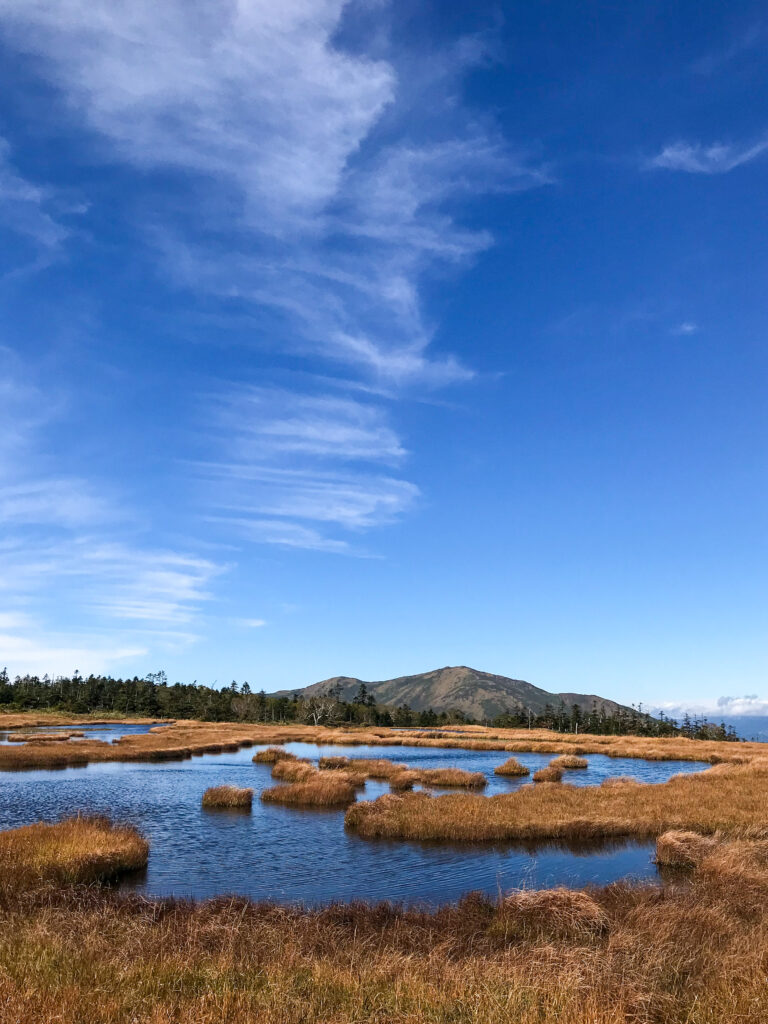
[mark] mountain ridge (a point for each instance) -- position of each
(480, 695)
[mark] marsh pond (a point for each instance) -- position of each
(292, 855)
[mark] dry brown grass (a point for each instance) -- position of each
(272, 755)
(322, 789)
(511, 767)
(569, 761)
(372, 768)
(227, 797)
(548, 774)
(451, 777)
(43, 737)
(187, 738)
(553, 913)
(620, 780)
(402, 781)
(286, 770)
(693, 954)
(679, 849)
(731, 801)
(74, 851)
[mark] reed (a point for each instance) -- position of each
(227, 797)
(548, 774)
(731, 801)
(73, 851)
(44, 737)
(323, 789)
(569, 761)
(511, 767)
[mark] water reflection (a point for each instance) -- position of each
(291, 855)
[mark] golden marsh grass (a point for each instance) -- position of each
(731, 800)
(692, 954)
(512, 767)
(227, 796)
(74, 851)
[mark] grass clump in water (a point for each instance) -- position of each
(548, 774)
(227, 796)
(404, 781)
(272, 755)
(74, 851)
(511, 767)
(452, 777)
(286, 770)
(323, 789)
(569, 761)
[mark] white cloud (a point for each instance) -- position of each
(686, 327)
(290, 466)
(272, 423)
(697, 158)
(45, 653)
(252, 623)
(22, 205)
(311, 194)
(728, 707)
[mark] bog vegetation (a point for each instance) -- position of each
(692, 953)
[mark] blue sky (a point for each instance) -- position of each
(367, 338)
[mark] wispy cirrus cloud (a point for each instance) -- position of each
(23, 205)
(288, 466)
(314, 194)
(699, 158)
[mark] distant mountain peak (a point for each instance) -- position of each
(478, 694)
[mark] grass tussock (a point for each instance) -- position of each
(549, 774)
(620, 780)
(680, 849)
(732, 803)
(286, 770)
(693, 954)
(323, 789)
(512, 767)
(452, 777)
(569, 761)
(372, 768)
(403, 781)
(553, 913)
(75, 851)
(272, 755)
(227, 796)
(44, 737)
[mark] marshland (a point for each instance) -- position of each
(381, 876)
(162, 772)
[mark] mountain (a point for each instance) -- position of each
(480, 695)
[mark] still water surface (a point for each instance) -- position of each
(305, 856)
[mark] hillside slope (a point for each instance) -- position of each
(478, 694)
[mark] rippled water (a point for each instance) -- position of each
(288, 855)
(92, 730)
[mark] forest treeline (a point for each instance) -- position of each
(154, 697)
